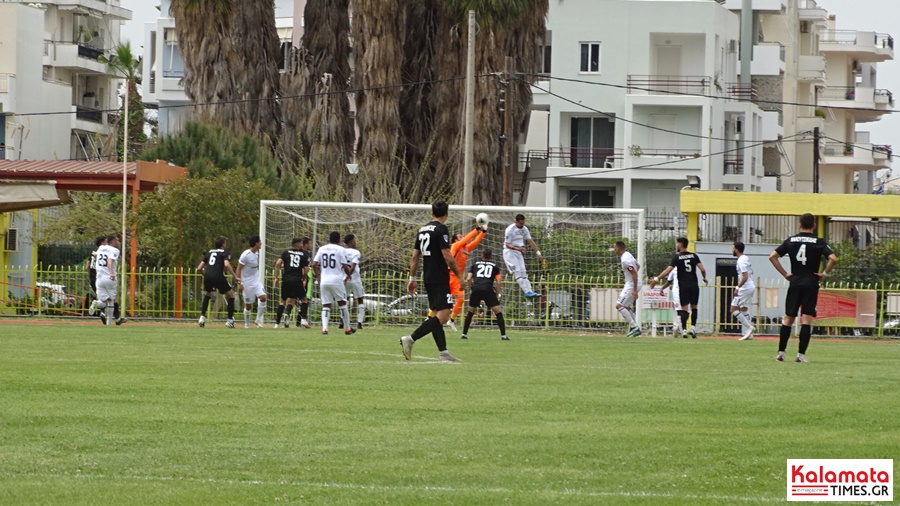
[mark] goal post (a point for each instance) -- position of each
(576, 242)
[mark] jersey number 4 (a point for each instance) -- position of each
(801, 254)
(424, 244)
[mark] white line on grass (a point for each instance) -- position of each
(413, 488)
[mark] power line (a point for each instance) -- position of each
(855, 146)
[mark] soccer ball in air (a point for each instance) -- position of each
(482, 219)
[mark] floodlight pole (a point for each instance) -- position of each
(469, 167)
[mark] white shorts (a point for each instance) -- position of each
(625, 297)
(252, 292)
(744, 296)
(676, 298)
(332, 293)
(515, 262)
(107, 289)
(354, 287)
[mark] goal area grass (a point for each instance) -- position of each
(176, 414)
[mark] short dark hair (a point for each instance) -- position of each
(305, 240)
(520, 217)
(682, 241)
(253, 240)
(296, 240)
(808, 221)
(738, 245)
(439, 209)
(220, 241)
(112, 238)
(100, 240)
(487, 254)
(348, 238)
(620, 244)
(334, 237)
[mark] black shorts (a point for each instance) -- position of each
(803, 296)
(293, 289)
(689, 295)
(92, 275)
(216, 283)
(488, 296)
(439, 297)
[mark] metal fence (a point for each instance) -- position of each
(566, 302)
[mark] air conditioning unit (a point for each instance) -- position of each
(804, 27)
(732, 46)
(12, 240)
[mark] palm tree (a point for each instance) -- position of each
(124, 64)
(230, 51)
(318, 125)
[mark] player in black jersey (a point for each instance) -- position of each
(433, 247)
(213, 266)
(686, 265)
(806, 252)
(484, 278)
(295, 262)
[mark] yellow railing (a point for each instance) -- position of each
(568, 301)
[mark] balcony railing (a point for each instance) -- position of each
(734, 166)
(885, 97)
(852, 37)
(88, 114)
(882, 151)
(745, 92)
(837, 93)
(173, 74)
(89, 52)
(584, 157)
(668, 85)
(639, 152)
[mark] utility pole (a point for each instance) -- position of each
(816, 160)
(469, 168)
(506, 138)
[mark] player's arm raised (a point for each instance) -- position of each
(412, 286)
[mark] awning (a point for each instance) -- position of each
(22, 195)
(285, 33)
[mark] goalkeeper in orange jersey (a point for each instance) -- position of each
(460, 247)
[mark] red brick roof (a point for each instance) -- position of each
(92, 176)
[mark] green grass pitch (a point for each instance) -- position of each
(175, 414)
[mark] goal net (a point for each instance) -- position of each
(579, 281)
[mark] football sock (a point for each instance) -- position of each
(345, 316)
(440, 338)
(467, 322)
(279, 312)
(361, 313)
(326, 313)
(116, 313)
(684, 318)
(457, 307)
(246, 316)
(693, 317)
(229, 302)
(747, 316)
(110, 312)
(784, 336)
(524, 284)
(742, 317)
(805, 334)
(430, 325)
(501, 322)
(261, 310)
(287, 312)
(627, 315)
(205, 306)
(304, 311)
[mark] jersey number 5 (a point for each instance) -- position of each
(801, 254)
(424, 244)
(687, 266)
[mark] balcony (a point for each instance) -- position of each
(768, 59)
(733, 166)
(105, 8)
(758, 5)
(657, 84)
(607, 158)
(868, 103)
(78, 57)
(809, 10)
(863, 46)
(92, 120)
(857, 156)
(742, 92)
(812, 69)
(7, 94)
(772, 122)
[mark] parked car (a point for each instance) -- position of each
(375, 303)
(407, 305)
(892, 327)
(55, 295)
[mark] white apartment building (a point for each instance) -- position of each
(163, 71)
(49, 64)
(650, 97)
(834, 72)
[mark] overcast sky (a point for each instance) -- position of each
(865, 15)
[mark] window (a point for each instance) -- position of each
(544, 65)
(592, 142)
(590, 57)
(603, 197)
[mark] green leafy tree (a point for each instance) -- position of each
(123, 63)
(89, 216)
(177, 225)
(878, 263)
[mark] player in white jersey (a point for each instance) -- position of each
(355, 285)
(629, 295)
(92, 273)
(743, 292)
(107, 286)
(332, 272)
(672, 281)
(251, 286)
(513, 253)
